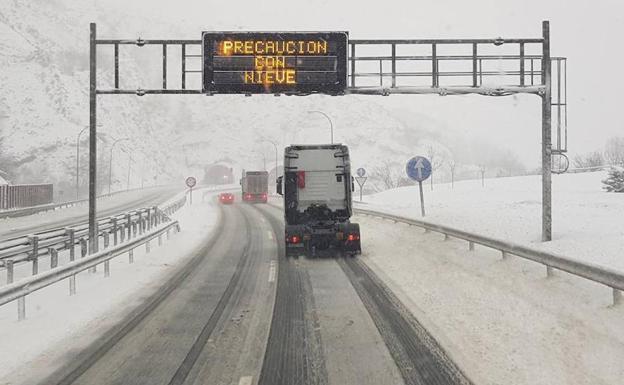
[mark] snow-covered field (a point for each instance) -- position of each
(503, 322)
(588, 223)
(53, 316)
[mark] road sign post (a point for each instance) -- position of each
(191, 182)
(361, 179)
(419, 169)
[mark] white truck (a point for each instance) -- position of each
(317, 188)
(255, 186)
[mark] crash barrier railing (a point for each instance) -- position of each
(24, 195)
(603, 275)
(20, 212)
(172, 207)
(31, 248)
(19, 290)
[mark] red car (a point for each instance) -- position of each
(226, 198)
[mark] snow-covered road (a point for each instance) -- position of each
(503, 322)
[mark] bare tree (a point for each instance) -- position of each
(592, 159)
(388, 175)
(482, 171)
(436, 158)
(614, 151)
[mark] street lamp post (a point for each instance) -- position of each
(331, 124)
(130, 160)
(275, 146)
(78, 159)
(110, 164)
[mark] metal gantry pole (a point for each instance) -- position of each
(546, 136)
(93, 240)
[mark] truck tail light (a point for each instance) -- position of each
(353, 237)
(301, 179)
(294, 239)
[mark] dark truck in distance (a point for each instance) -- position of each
(255, 186)
(317, 186)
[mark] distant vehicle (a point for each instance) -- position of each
(317, 186)
(226, 198)
(255, 186)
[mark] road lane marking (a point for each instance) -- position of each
(245, 380)
(270, 233)
(272, 271)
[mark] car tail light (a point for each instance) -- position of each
(353, 237)
(264, 195)
(301, 179)
(294, 239)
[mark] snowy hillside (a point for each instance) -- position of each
(44, 104)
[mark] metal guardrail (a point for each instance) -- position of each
(20, 212)
(19, 290)
(50, 242)
(595, 273)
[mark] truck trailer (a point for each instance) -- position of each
(317, 189)
(255, 186)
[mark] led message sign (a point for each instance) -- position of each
(274, 62)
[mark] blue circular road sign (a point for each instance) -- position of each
(361, 172)
(418, 168)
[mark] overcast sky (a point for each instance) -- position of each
(588, 33)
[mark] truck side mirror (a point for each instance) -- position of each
(278, 188)
(352, 184)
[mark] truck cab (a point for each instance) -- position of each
(317, 189)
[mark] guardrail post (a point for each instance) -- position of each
(159, 239)
(549, 271)
(83, 247)
(34, 241)
(470, 245)
(149, 219)
(129, 225)
(131, 256)
(168, 228)
(617, 297)
(122, 233)
(115, 230)
(147, 246)
(72, 284)
(21, 308)
(504, 254)
(106, 239)
(135, 229)
(107, 268)
(72, 242)
(140, 223)
(53, 257)
(446, 237)
(9, 269)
